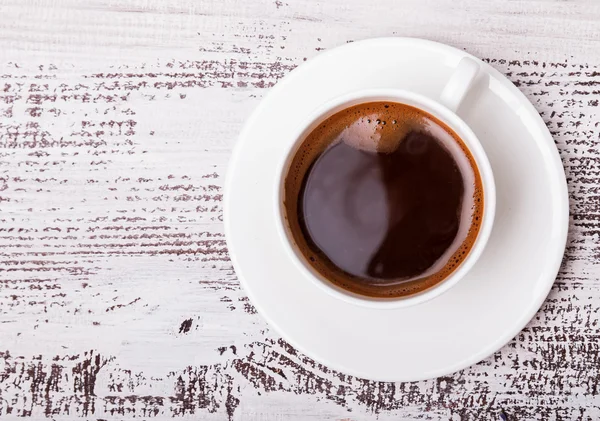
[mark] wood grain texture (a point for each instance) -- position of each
(117, 296)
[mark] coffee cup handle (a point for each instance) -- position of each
(459, 84)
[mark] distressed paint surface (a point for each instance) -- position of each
(117, 296)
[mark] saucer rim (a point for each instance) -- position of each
(561, 219)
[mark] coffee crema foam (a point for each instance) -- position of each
(380, 129)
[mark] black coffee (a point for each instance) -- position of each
(383, 199)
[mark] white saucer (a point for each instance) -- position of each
(482, 312)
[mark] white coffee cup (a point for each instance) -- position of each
(443, 109)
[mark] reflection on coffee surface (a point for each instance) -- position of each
(383, 200)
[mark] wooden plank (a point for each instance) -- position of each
(117, 296)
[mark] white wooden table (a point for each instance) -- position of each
(117, 296)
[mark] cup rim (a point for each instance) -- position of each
(439, 111)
